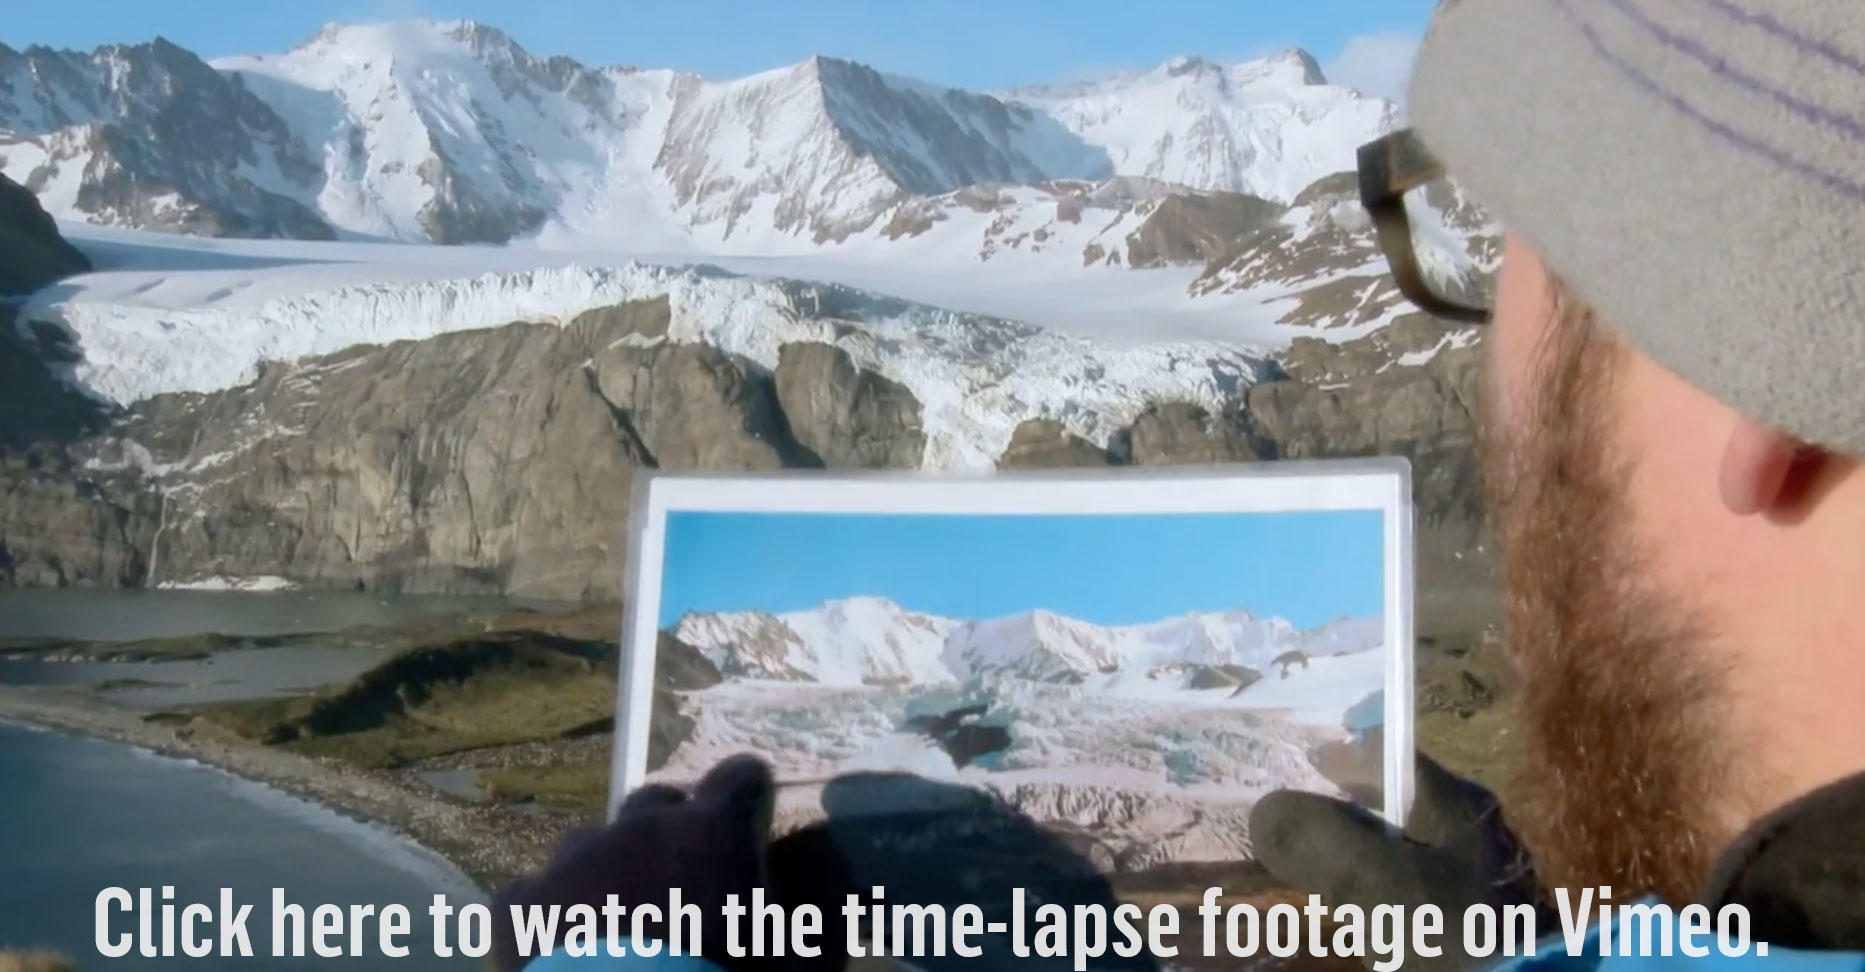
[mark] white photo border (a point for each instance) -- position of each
(1283, 486)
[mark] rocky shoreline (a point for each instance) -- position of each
(491, 844)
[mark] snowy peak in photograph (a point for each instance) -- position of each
(846, 642)
(451, 132)
(871, 640)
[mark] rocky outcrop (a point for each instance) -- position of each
(848, 417)
(32, 254)
(1190, 227)
(678, 668)
(495, 460)
(1408, 389)
(62, 525)
(1177, 434)
(1048, 444)
(696, 407)
(39, 409)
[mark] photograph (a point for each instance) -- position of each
(1132, 681)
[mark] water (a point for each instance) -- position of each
(247, 673)
(116, 615)
(77, 816)
(242, 673)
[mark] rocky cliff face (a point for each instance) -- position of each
(32, 254)
(498, 460)
(850, 418)
(59, 523)
(62, 525)
(502, 460)
(482, 461)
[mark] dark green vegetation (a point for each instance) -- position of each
(499, 689)
(454, 685)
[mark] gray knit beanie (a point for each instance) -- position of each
(1694, 169)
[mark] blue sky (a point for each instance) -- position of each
(1307, 567)
(968, 43)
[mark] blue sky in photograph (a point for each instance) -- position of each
(980, 44)
(1107, 569)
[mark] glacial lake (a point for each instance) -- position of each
(241, 673)
(79, 815)
(122, 615)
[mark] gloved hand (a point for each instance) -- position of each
(1455, 852)
(709, 844)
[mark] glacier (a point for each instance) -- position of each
(1108, 731)
(172, 314)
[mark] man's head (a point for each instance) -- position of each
(1680, 574)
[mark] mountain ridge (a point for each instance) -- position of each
(451, 132)
(874, 640)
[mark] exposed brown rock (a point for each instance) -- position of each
(1180, 433)
(1047, 444)
(696, 407)
(62, 525)
(848, 417)
(1196, 227)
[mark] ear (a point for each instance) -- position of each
(1759, 466)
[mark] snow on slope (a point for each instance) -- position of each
(452, 132)
(1320, 691)
(873, 640)
(149, 135)
(1268, 128)
(847, 642)
(822, 149)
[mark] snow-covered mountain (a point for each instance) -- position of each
(451, 132)
(149, 135)
(871, 640)
(824, 148)
(1268, 128)
(846, 642)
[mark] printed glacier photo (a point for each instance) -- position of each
(1134, 683)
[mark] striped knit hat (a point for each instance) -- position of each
(1694, 169)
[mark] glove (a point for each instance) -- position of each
(1455, 852)
(709, 845)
